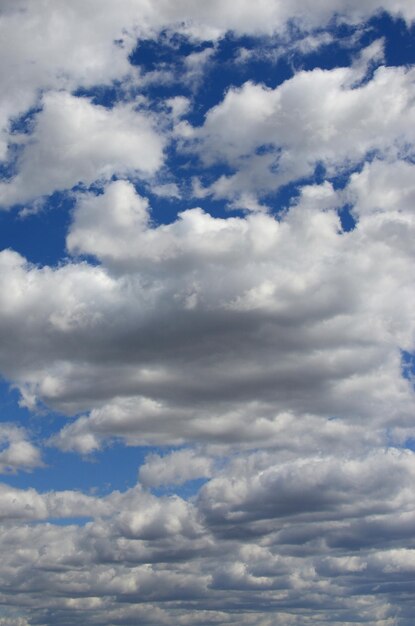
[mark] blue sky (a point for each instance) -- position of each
(206, 313)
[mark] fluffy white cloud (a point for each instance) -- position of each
(30, 504)
(174, 468)
(16, 451)
(76, 142)
(383, 187)
(107, 225)
(88, 43)
(274, 136)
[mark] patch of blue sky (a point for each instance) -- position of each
(168, 49)
(24, 123)
(113, 468)
(347, 220)
(165, 210)
(399, 38)
(38, 233)
(103, 95)
(9, 167)
(187, 490)
(64, 521)
(281, 199)
(10, 411)
(234, 61)
(20, 125)
(408, 365)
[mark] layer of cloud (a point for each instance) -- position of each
(262, 534)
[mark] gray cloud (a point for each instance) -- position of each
(219, 329)
(141, 548)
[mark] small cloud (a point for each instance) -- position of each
(169, 190)
(17, 452)
(174, 468)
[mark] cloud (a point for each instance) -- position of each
(78, 55)
(262, 533)
(383, 187)
(174, 468)
(76, 142)
(17, 452)
(309, 489)
(31, 505)
(220, 329)
(271, 137)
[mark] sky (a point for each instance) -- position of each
(207, 353)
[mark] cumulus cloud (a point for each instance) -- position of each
(76, 142)
(383, 187)
(30, 504)
(174, 468)
(89, 43)
(213, 328)
(306, 510)
(17, 452)
(308, 488)
(271, 137)
(302, 318)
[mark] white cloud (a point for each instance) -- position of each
(383, 187)
(174, 468)
(65, 50)
(17, 452)
(108, 224)
(79, 55)
(29, 504)
(317, 116)
(76, 142)
(195, 66)
(167, 190)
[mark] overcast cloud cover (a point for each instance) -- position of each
(207, 225)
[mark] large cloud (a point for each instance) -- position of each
(213, 328)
